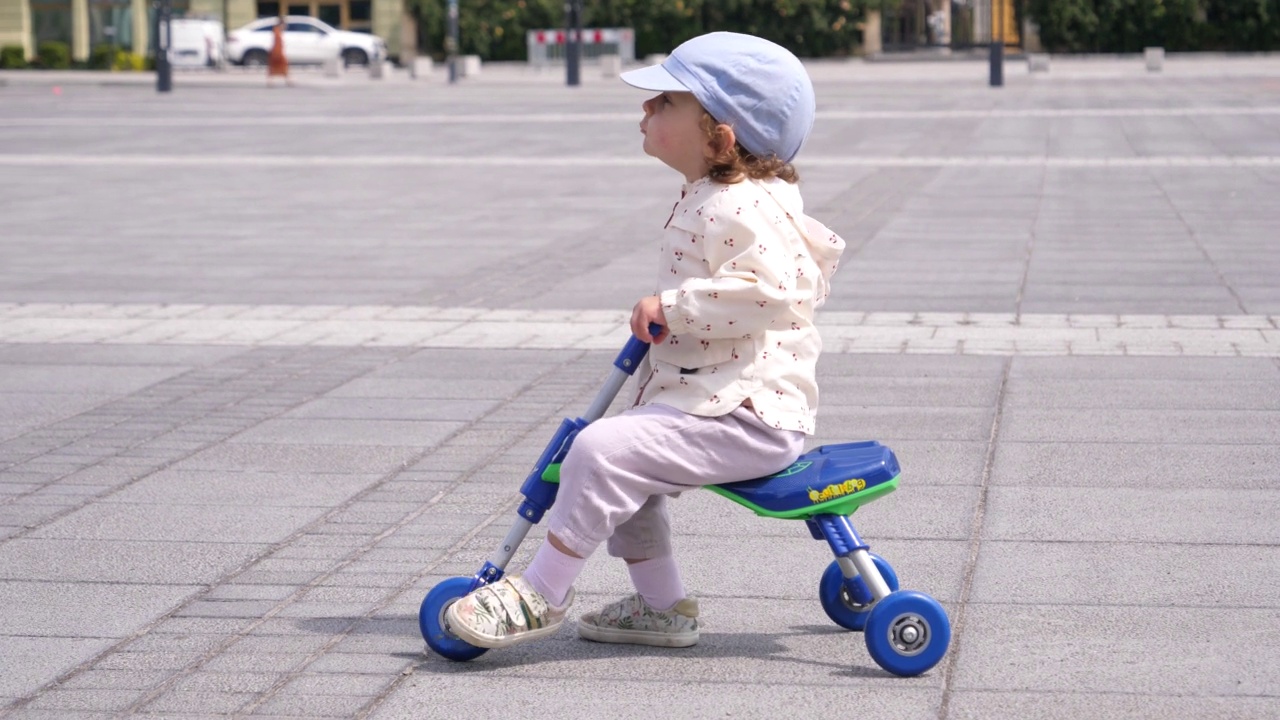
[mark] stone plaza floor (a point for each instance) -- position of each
(273, 362)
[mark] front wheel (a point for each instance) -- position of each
(354, 56)
(254, 58)
(848, 609)
(431, 621)
(907, 633)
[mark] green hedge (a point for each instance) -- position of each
(1176, 25)
(53, 55)
(12, 57)
(103, 57)
(111, 57)
(495, 29)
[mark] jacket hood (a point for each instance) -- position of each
(825, 246)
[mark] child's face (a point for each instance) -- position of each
(673, 133)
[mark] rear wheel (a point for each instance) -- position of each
(254, 58)
(907, 633)
(846, 609)
(354, 56)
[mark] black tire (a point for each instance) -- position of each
(354, 56)
(254, 58)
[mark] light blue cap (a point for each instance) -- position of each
(755, 86)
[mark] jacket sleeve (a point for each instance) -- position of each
(752, 279)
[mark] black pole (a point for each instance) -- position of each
(997, 46)
(573, 43)
(164, 34)
(451, 42)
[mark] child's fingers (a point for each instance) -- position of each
(648, 323)
(640, 326)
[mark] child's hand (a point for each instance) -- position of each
(648, 310)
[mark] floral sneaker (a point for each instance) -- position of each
(507, 612)
(632, 620)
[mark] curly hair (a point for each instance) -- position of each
(734, 164)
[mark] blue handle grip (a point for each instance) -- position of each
(634, 351)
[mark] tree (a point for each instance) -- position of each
(1179, 25)
(495, 29)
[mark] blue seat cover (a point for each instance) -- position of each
(823, 469)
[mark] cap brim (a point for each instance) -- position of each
(654, 77)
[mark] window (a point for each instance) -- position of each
(268, 9)
(361, 10)
(51, 21)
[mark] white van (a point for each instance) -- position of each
(197, 43)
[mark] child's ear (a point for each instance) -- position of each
(723, 140)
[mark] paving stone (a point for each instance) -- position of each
(115, 679)
(286, 703)
(971, 705)
(120, 561)
(1072, 643)
(182, 703)
(222, 682)
(97, 700)
(1057, 306)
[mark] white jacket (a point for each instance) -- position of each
(741, 272)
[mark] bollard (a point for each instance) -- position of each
(375, 68)
(655, 59)
(1155, 58)
(611, 65)
(997, 64)
(470, 66)
(421, 67)
(334, 67)
(1037, 62)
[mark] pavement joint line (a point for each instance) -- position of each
(347, 560)
(975, 546)
(164, 459)
(606, 161)
(351, 558)
(584, 117)
(91, 662)
(1198, 242)
(389, 326)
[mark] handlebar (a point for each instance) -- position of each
(634, 351)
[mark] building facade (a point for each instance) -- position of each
(85, 24)
(920, 24)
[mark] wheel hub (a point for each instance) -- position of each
(444, 619)
(909, 634)
(847, 599)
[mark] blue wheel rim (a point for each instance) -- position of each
(907, 633)
(846, 611)
(431, 621)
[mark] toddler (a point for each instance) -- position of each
(728, 390)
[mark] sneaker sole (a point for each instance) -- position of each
(467, 635)
(596, 633)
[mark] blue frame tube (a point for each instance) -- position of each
(870, 573)
(540, 494)
(605, 397)
(510, 544)
(851, 553)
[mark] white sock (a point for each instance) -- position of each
(552, 573)
(658, 581)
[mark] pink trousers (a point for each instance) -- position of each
(616, 478)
